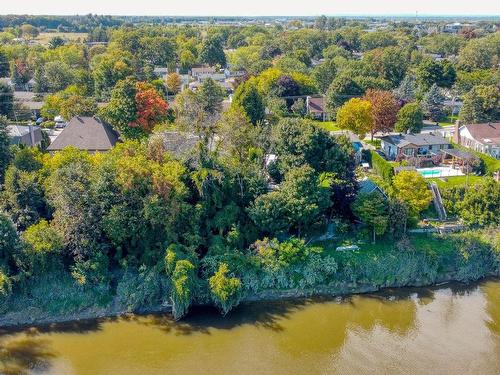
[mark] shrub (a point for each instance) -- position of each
(5, 285)
(142, 288)
(225, 291)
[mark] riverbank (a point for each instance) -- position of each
(36, 317)
(419, 261)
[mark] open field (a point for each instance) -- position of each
(44, 38)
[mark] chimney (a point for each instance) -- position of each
(32, 134)
(456, 132)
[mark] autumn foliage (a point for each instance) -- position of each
(384, 110)
(151, 108)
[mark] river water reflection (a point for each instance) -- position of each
(447, 330)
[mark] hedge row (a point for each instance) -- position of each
(489, 164)
(382, 167)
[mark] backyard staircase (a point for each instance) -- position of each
(438, 202)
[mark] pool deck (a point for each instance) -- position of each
(439, 172)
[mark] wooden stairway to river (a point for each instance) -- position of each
(438, 202)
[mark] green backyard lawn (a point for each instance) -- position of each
(455, 181)
(330, 126)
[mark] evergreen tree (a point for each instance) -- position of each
(4, 64)
(432, 103)
(6, 99)
(406, 90)
(211, 94)
(5, 155)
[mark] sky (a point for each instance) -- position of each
(252, 7)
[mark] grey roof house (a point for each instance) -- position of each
(27, 135)
(413, 145)
(86, 133)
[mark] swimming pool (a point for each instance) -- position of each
(439, 172)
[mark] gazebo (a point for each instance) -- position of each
(459, 158)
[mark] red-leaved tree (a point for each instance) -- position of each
(385, 108)
(151, 107)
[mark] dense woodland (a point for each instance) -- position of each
(143, 226)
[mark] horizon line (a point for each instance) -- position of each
(416, 14)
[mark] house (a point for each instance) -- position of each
(203, 70)
(25, 135)
(28, 104)
(85, 133)
(413, 145)
(316, 107)
(160, 72)
(483, 137)
(226, 86)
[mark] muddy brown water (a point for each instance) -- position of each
(452, 329)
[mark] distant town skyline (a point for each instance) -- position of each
(252, 8)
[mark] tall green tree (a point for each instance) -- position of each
(324, 74)
(406, 90)
(58, 75)
(409, 118)
(340, 91)
(481, 104)
(249, 99)
(372, 209)
(432, 72)
(4, 64)
(9, 242)
(433, 103)
(6, 100)
(212, 51)
(5, 154)
(299, 203)
(410, 188)
(211, 95)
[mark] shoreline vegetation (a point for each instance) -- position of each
(466, 257)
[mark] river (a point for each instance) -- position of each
(452, 329)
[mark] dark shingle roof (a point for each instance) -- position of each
(20, 134)
(425, 139)
(86, 133)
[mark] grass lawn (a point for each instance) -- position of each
(330, 126)
(455, 181)
(448, 120)
(44, 38)
(429, 243)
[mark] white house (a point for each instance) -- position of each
(483, 138)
